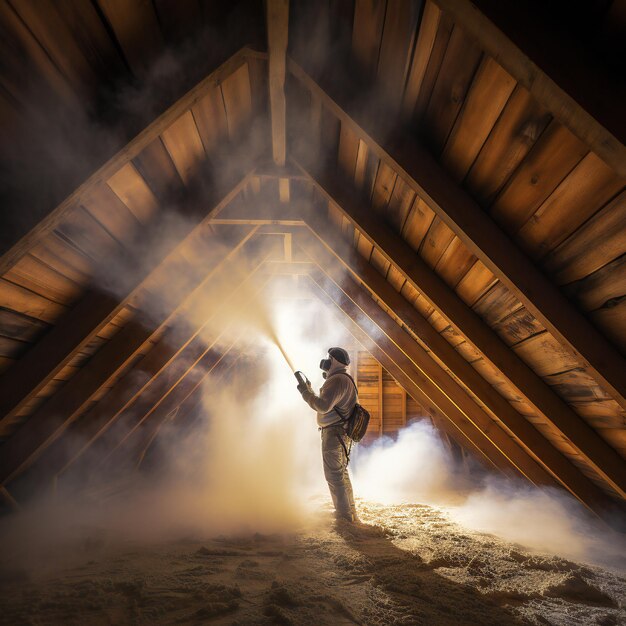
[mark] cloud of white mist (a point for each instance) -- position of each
(257, 461)
(418, 468)
(414, 468)
(252, 464)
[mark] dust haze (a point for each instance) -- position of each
(249, 461)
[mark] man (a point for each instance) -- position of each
(334, 405)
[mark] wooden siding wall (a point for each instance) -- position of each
(390, 407)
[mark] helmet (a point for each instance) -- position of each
(340, 355)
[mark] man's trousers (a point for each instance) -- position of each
(334, 445)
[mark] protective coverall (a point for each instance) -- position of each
(337, 392)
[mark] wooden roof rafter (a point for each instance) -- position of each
(600, 126)
(230, 171)
(128, 152)
(215, 367)
(381, 331)
(53, 418)
(333, 304)
(277, 17)
(535, 443)
(110, 417)
(531, 286)
(599, 453)
(165, 398)
(544, 441)
(484, 238)
(94, 311)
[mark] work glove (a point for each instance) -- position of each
(305, 388)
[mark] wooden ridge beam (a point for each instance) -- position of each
(126, 154)
(603, 458)
(97, 308)
(484, 238)
(376, 340)
(591, 104)
(328, 248)
(92, 425)
(277, 17)
(56, 414)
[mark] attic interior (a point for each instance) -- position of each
(200, 198)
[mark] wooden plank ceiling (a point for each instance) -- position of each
(454, 194)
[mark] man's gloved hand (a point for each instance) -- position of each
(305, 388)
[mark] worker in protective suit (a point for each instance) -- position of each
(335, 403)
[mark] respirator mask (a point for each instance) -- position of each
(325, 366)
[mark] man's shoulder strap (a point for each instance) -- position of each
(351, 379)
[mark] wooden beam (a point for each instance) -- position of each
(163, 395)
(97, 308)
(386, 351)
(425, 41)
(442, 390)
(124, 156)
(255, 222)
(216, 367)
(187, 409)
(80, 436)
(189, 405)
(277, 34)
(271, 170)
(329, 249)
(600, 455)
(589, 101)
(403, 406)
(381, 404)
(146, 429)
(55, 415)
(263, 207)
(442, 422)
(484, 238)
(298, 268)
(436, 383)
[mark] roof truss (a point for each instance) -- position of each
(417, 357)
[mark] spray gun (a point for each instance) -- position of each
(302, 379)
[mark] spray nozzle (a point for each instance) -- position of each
(301, 378)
